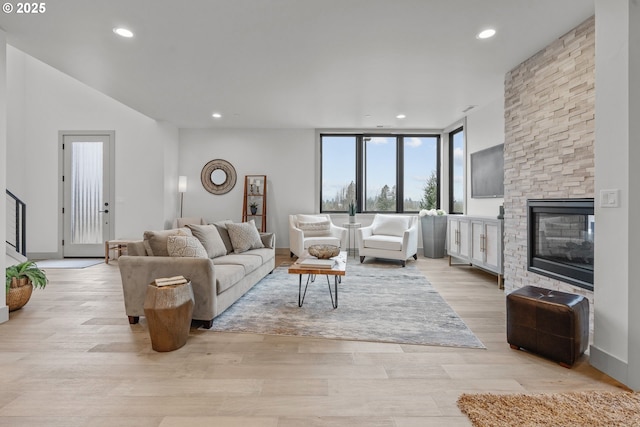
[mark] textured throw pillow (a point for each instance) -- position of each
(185, 246)
(210, 239)
(310, 218)
(244, 236)
(390, 225)
(315, 229)
(224, 233)
(155, 242)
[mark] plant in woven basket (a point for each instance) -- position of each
(20, 281)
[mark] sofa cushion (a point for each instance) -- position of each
(155, 242)
(380, 241)
(244, 236)
(227, 276)
(185, 246)
(316, 228)
(210, 239)
(224, 233)
(265, 253)
(248, 261)
(391, 225)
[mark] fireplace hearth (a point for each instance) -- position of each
(560, 240)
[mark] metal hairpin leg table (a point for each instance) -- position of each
(337, 271)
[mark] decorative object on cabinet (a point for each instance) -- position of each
(254, 204)
(478, 241)
(218, 176)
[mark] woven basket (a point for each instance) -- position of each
(18, 296)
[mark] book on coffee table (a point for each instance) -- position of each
(317, 263)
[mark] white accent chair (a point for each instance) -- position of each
(390, 237)
(307, 230)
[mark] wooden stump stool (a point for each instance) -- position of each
(168, 310)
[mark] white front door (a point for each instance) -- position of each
(87, 206)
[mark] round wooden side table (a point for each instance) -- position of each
(168, 310)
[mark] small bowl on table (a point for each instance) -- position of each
(324, 251)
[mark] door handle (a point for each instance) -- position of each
(105, 211)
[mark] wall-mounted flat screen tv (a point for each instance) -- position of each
(487, 172)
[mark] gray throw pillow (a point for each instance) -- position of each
(224, 233)
(155, 242)
(210, 239)
(185, 246)
(244, 236)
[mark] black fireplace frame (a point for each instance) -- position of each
(563, 272)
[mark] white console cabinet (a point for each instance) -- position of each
(477, 241)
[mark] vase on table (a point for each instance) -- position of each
(434, 234)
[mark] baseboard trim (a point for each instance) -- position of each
(609, 364)
(43, 255)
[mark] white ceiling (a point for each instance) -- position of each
(294, 63)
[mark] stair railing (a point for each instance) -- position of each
(16, 224)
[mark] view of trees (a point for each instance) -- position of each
(385, 200)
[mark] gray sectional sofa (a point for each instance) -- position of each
(219, 277)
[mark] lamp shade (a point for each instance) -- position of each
(182, 184)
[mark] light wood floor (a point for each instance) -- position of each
(70, 358)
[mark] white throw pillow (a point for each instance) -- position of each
(244, 236)
(316, 229)
(390, 225)
(185, 246)
(302, 218)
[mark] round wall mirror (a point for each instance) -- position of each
(218, 176)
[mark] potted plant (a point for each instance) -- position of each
(21, 279)
(352, 212)
(254, 208)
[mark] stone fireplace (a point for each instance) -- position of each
(549, 146)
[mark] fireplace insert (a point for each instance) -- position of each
(560, 240)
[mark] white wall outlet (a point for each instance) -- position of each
(609, 198)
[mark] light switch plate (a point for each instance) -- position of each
(609, 198)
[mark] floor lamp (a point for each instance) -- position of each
(182, 188)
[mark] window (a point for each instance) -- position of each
(456, 170)
(338, 172)
(382, 173)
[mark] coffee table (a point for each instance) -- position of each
(337, 271)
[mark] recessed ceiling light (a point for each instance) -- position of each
(401, 116)
(216, 115)
(123, 32)
(485, 34)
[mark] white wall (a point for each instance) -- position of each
(615, 348)
(484, 129)
(4, 311)
(287, 157)
(47, 101)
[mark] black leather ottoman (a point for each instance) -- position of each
(550, 323)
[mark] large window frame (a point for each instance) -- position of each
(360, 169)
(452, 135)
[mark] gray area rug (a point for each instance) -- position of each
(69, 263)
(377, 302)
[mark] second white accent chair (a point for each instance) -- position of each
(390, 237)
(307, 230)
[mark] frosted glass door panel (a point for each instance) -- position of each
(86, 192)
